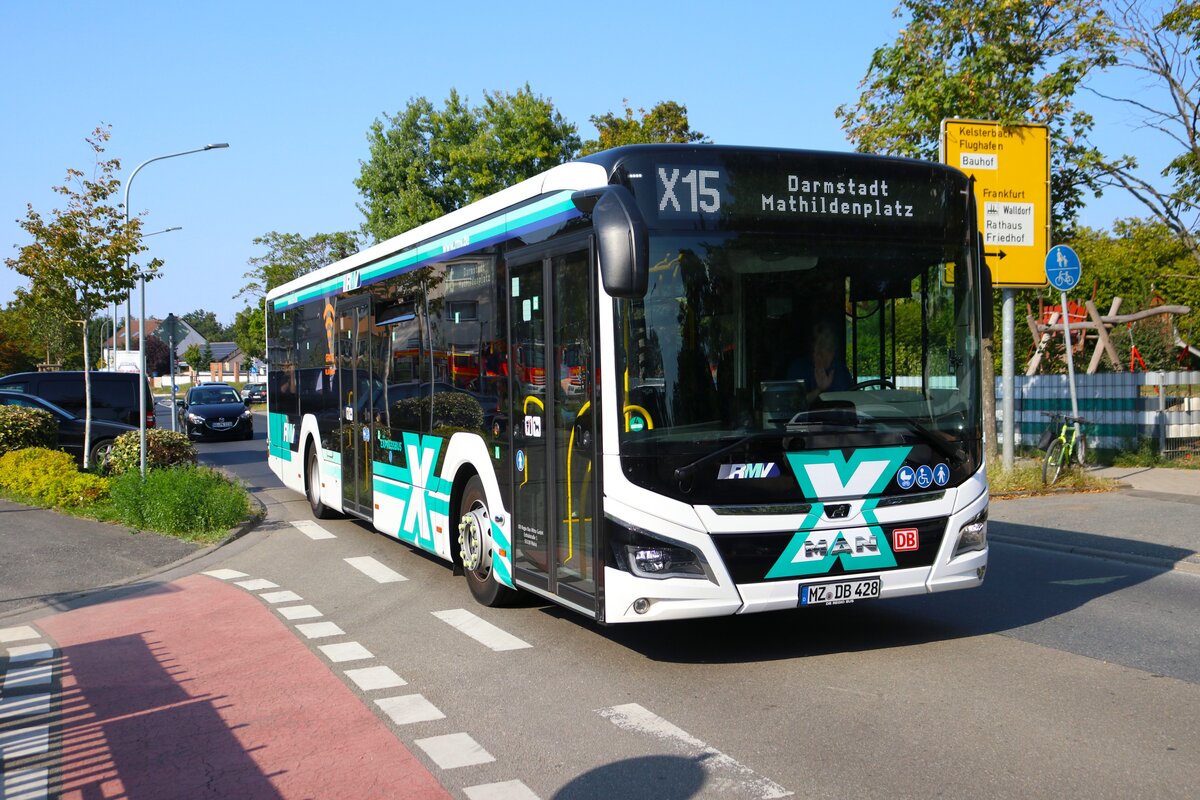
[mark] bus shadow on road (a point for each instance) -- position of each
(656, 777)
(1024, 587)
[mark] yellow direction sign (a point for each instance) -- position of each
(1010, 165)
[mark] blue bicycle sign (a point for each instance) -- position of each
(1062, 268)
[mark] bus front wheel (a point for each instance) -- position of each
(312, 483)
(476, 549)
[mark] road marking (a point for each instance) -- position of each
(409, 708)
(256, 584)
(24, 677)
(505, 790)
(299, 612)
(29, 652)
(374, 570)
(19, 634)
(312, 530)
(481, 630)
(24, 705)
(25, 784)
(1087, 581)
(25, 742)
(345, 651)
(226, 574)
(281, 597)
(455, 750)
(728, 776)
(369, 678)
(318, 630)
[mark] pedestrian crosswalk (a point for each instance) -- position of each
(27, 691)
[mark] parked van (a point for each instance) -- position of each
(114, 394)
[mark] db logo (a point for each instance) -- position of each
(904, 539)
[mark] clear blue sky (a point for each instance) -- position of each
(293, 88)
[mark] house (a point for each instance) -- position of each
(152, 327)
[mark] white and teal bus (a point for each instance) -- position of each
(659, 382)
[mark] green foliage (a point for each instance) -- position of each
(290, 255)
(22, 427)
(192, 355)
(1012, 61)
(451, 411)
(426, 162)
(667, 122)
(48, 477)
(186, 501)
(163, 449)
(249, 332)
(205, 323)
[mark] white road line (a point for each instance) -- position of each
(257, 584)
(299, 612)
(29, 652)
(225, 574)
(311, 529)
(455, 750)
(375, 570)
(25, 784)
(728, 776)
(370, 678)
(24, 677)
(318, 630)
(481, 630)
(409, 708)
(345, 651)
(24, 705)
(505, 790)
(19, 634)
(24, 742)
(281, 597)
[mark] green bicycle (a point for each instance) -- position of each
(1069, 443)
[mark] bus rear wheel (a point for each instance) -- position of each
(476, 549)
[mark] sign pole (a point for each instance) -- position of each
(1063, 270)
(1070, 360)
(1008, 362)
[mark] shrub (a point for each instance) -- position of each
(163, 449)
(22, 427)
(49, 477)
(451, 410)
(185, 500)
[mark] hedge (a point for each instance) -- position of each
(22, 427)
(49, 478)
(163, 449)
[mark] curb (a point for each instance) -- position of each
(256, 518)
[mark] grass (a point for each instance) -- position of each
(1025, 479)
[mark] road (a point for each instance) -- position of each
(1065, 675)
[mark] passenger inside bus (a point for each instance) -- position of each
(822, 368)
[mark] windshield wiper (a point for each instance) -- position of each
(685, 472)
(931, 438)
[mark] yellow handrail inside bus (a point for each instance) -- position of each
(570, 496)
(630, 408)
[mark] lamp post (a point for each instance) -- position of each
(142, 301)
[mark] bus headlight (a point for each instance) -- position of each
(972, 535)
(646, 556)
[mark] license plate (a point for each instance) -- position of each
(837, 593)
(222, 424)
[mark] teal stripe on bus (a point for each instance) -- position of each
(439, 248)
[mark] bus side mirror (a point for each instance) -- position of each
(621, 239)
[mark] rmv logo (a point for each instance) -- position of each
(746, 471)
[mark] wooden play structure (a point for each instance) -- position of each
(1093, 327)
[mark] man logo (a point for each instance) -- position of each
(747, 471)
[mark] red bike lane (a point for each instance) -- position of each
(194, 689)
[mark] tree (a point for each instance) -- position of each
(18, 353)
(205, 323)
(290, 255)
(249, 333)
(158, 356)
(667, 122)
(1011, 61)
(193, 355)
(1167, 53)
(46, 331)
(80, 258)
(426, 162)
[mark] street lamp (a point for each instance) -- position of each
(142, 300)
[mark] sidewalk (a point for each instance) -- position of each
(1159, 480)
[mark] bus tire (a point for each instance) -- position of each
(312, 486)
(475, 547)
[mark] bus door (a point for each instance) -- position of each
(554, 425)
(356, 402)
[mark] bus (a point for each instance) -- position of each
(711, 380)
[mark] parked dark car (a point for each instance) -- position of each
(114, 394)
(71, 427)
(215, 410)
(254, 393)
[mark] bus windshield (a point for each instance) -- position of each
(750, 345)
